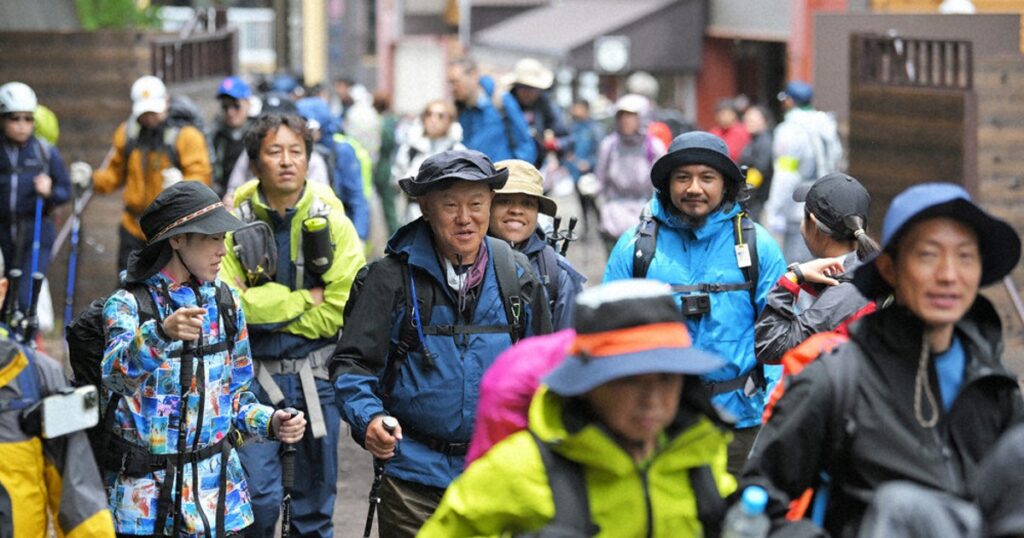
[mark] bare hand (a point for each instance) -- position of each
(379, 442)
(186, 323)
(44, 185)
(288, 429)
(318, 296)
(822, 270)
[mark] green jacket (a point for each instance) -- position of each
(506, 491)
(275, 304)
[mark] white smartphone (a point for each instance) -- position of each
(70, 411)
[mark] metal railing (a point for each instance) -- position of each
(892, 60)
(204, 47)
(255, 28)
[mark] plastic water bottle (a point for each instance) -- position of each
(746, 519)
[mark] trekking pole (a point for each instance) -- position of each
(569, 235)
(35, 245)
(31, 323)
(287, 481)
(188, 350)
(76, 224)
(554, 237)
(12, 311)
(389, 423)
(1011, 289)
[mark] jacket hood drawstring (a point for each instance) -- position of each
(921, 384)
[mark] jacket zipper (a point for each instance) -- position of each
(647, 502)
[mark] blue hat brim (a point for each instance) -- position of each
(576, 375)
(670, 161)
(998, 242)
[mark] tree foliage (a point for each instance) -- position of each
(117, 14)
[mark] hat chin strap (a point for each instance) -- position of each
(191, 275)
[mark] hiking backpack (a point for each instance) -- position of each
(420, 292)
(572, 517)
(87, 341)
(745, 237)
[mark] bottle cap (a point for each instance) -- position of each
(755, 499)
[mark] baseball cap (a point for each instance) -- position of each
(834, 197)
(149, 94)
(799, 91)
(234, 87)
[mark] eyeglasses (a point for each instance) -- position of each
(21, 117)
(230, 105)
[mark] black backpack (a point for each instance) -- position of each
(572, 508)
(87, 340)
(512, 299)
(744, 233)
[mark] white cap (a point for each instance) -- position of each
(631, 102)
(149, 95)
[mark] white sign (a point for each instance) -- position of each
(611, 53)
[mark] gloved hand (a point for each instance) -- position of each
(81, 174)
(171, 176)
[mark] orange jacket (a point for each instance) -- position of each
(140, 172)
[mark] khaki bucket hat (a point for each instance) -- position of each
(524, 178)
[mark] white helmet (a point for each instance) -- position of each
(17, 97)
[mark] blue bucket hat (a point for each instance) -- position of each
(438, 172)
(626, 328)
(998, 242)
(235, 88)
(696, 147)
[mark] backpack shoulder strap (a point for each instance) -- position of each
(508, 285)
(550, 269)
(171, 133)
(746, 234)
(569, 493)
(45, 152)
(645, 244)
(842, 376)
(228, 313)
(148, 308)
(711, 506)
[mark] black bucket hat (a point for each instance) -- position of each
(439, 171)
(185, 207)
(696, 147)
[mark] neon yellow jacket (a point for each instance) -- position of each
(46, 481)
(274, 303)
(506, 491)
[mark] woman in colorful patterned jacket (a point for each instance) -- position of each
(182, 479)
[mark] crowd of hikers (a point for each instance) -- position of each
(725, 379)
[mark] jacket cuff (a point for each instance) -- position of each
(789, 285)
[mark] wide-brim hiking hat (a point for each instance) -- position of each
(185, 207)
(530, 72)
(524, 178)
(998, 242)
(696, 147)
(438, 172)
(626, 328)
(834, 197)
